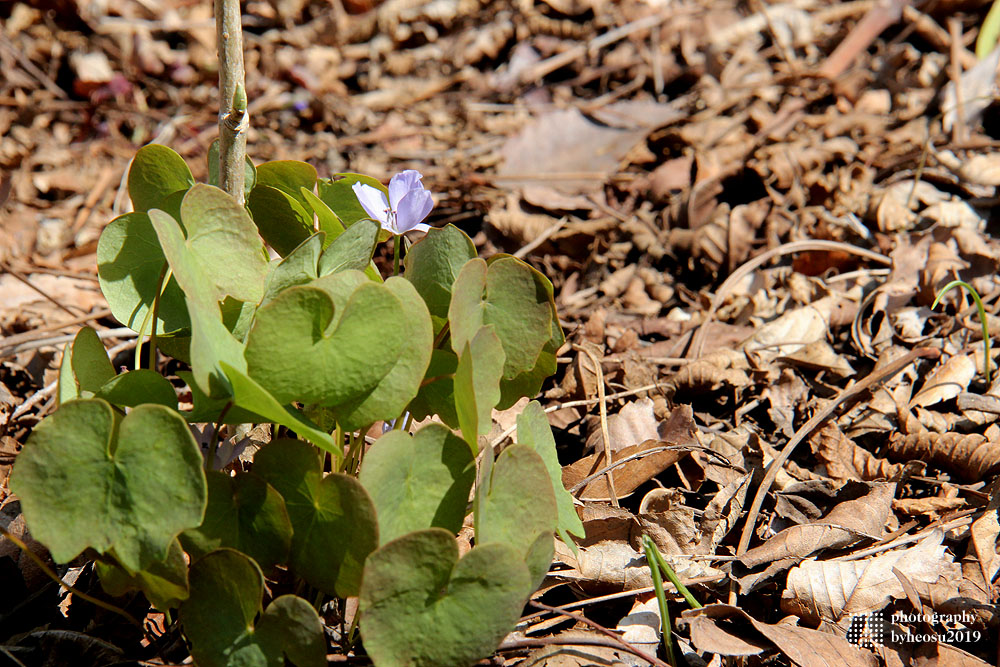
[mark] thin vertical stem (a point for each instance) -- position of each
(233, 117)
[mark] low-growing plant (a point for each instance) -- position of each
(318, 343)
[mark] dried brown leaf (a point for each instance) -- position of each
(832, 590)
(726, 630)
(972, 456)
(845, 460)
(845, 524)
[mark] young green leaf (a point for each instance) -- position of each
(164, 583)
(129, 262)
(83, 484)
(290, 177)
(519, 509)
(220, 618)
(511, 296)
(156, 173)
(477, 385)
(423, 606)
(244, 513)
(533, 430)
(280, 218)
(332, 517)
(85, 367)
(299, 267)
(433, 265)
(134, 388)
(352, 249)
(420, 481)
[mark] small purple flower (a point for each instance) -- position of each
(408, 203)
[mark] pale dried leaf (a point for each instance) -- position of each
(832, 590)
(845, 524)
(727, 630)
(946, 381)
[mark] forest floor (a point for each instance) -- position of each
(746, 209)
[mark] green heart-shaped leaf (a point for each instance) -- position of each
(368, 346)
(164, 583)
(134, 388)
(156, 173)
(297, 268)
(433, 265)
(218, 618)
(129, 261)
(353, 249)
(337, 193)
(222, 254)
(512, 297)
(333, 518)
(437, 391)
(419, 481)
(519, 509)
(423, 607)
(290, 177)
(245, 513)
(533, 430)
(477, 384)
(85, 367)
(280, 218)
(84, 485)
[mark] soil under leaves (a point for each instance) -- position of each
(747, 210)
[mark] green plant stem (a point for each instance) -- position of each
(80, 594)
(396, 243)
(661, 598)
(214, 445)
(233, 117)
(671, 575)
(982, 317)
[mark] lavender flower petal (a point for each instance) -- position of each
(412, 209)
(401, 183)
(374, 202)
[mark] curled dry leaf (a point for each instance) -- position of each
(722, 368)
(726, 630)
(845, 524)
(792, 331)
(971, 456)
(946, 381)
(845, 460)
(833, 590)
(633, 424)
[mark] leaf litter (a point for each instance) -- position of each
(746, 210)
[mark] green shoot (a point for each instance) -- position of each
(982, 317)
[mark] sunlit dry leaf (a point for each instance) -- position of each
(832, 590)
(919, 506)
(792, 331)
(845, 524)
(985, 531)
(719, 628)
(971, 456)
(820, 355)
(946, 381)
(633, 424)
(845, 460)
(627, 476)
